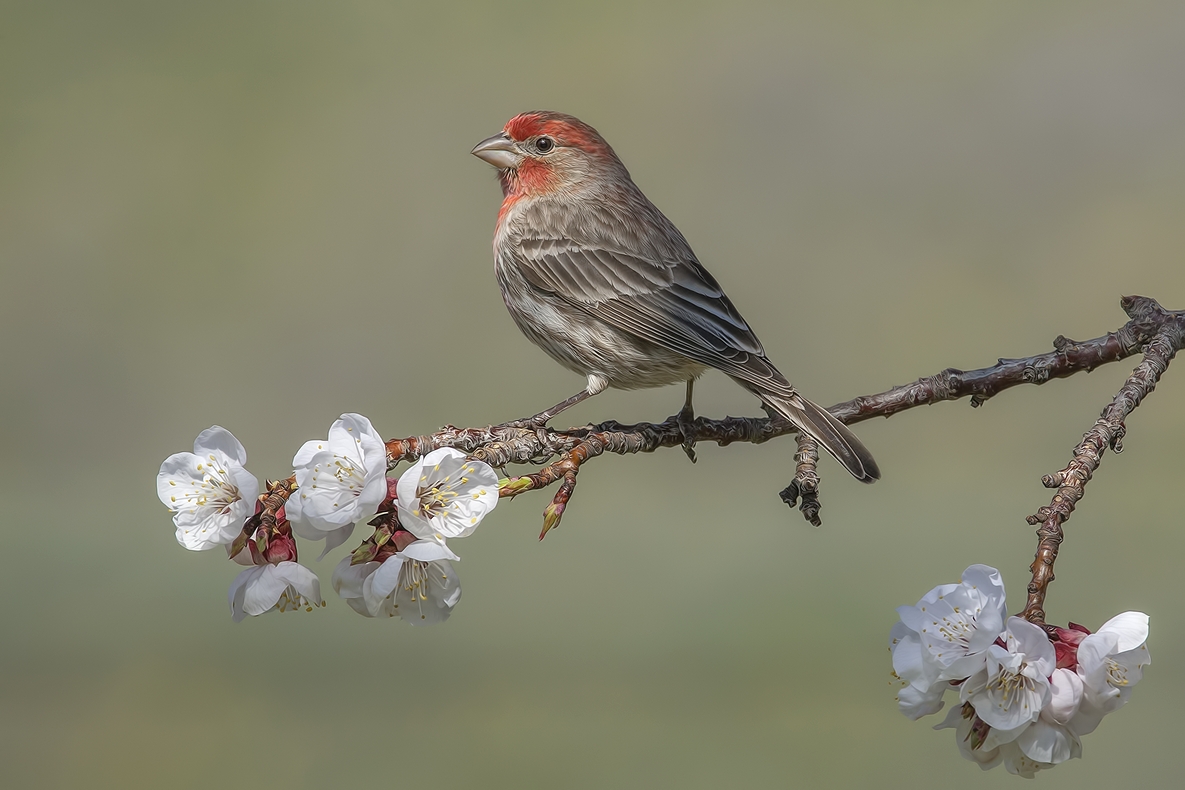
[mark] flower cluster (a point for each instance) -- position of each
(1026, 697)
(402, 570)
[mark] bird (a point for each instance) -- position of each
(595, 275)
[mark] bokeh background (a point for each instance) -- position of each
(264, 214)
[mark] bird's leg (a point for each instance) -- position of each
(543, 417)
(596, 384)
(685, 418)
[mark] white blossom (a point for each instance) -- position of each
(1110, 662)
(1017, 706)
(446, 495)
(340, 481)
(956, 623)
(208, 490)
(417, 584)
(922, 691)
(285, 586)
(1013, 686)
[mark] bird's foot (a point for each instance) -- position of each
(686, 420)
(529, 423)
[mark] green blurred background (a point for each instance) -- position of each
(264, 214)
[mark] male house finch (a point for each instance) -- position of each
(596, 276)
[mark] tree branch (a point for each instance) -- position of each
(505, 444)
(1108, 431)
(1158, 332)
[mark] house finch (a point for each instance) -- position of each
(596, 276)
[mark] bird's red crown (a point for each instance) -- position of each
(566, 130)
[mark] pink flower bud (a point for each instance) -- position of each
(280, 548)
(1066, 645)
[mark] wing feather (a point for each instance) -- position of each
(670, 301)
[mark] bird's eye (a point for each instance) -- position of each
(544, 144)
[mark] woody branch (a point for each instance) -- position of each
(1156, 332)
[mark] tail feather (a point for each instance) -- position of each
(822, 426)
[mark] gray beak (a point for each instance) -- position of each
(499, 151)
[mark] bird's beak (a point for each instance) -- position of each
(499, 151)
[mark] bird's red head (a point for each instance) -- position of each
(541, 153)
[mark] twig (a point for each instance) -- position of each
(1108, 431)
(806, 481)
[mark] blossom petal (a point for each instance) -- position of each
(380, 584)
(1018, 763)
(1043, 742)
(217, 439)
(910, 660)
(1034, 643)
(347, 434)
(301, 579)
(242, 558)
(1065, 696)
(238, 591)
(410, 517)
(307, 451)
(262, 594)
(1130, 629)
(1088, 717)
(428, 551)
(347, 578)
(335, 538)
(917, 702)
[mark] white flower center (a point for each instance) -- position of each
(1009, 686)
(437, 498)
(293, 601)
(956, 632)
(1116, 673)
(414, 579)
(215, 492)
(348, 474)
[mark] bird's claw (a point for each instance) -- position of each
(536, 423)
(686, 420)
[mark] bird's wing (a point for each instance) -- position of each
(673, 303)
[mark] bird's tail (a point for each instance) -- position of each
(823, 427)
